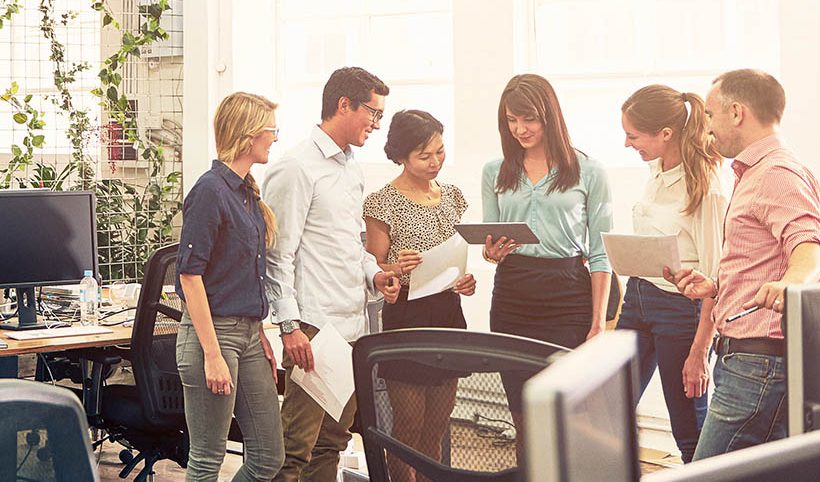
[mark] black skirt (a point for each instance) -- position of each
(541, 298)
(442, 310)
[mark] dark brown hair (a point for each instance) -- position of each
(355, 83)
(756, 89)
(530, 94)
(410, 130)
(655, 107)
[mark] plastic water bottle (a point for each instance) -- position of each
(89, 299)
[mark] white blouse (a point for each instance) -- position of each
(660, 212)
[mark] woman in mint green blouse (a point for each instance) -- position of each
(545, 290)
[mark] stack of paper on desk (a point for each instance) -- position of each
(330, 382)
(639, 255)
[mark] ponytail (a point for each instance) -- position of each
(698, 152)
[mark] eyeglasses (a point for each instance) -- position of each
(275, 130)
(376, 113)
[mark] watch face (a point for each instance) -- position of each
(287, 326)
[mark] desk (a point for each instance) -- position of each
(120, 335)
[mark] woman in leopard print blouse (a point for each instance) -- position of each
(411, 214)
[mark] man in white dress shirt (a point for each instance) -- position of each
(318, 271)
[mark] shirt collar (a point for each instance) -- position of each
(755, 152)
(668, 177)
(328, 146)
(231, 178)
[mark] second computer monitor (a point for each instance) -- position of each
(801, 327)
(579, 414)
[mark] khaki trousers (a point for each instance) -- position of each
(313, 439)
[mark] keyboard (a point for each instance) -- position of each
(58, 332)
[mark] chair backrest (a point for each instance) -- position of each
(479, 440)
(153, 341)
(57, 420)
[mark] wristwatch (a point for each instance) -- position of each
(286, 327)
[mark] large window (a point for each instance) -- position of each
(406, 43)
(597, 52)
(25, 59)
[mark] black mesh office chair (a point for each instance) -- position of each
(55, 447)
(478, 434)
(149, 417)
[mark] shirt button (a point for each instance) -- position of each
(190, 245)
(245, 201)
(261, 277)
(258, 256)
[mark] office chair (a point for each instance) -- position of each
(54, 421)
(149, 417)
(479, 442)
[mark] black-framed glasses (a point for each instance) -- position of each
(376, 113)
(274, 130)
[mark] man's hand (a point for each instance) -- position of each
(388, 284)
(696, 374)
(297, 346)
(691, 283)
(770, 296)
(465, 285)
(268, 352)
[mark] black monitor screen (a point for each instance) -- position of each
(801, 327)
(49, 238)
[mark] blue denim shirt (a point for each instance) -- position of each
(223, 239)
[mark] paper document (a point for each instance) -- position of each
(639, 255)
(331, 381)
(441, 267)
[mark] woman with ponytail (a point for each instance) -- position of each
(225, 361)
(683, 197)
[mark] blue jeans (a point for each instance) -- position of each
(666, 324)
(748, 406)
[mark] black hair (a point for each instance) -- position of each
(410, 130)
(355, 83)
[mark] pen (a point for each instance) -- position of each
(742, 313)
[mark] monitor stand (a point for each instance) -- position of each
(26, 311)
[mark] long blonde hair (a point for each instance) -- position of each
(239, 117)
(655, 107)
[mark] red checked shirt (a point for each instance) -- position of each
(774, 208)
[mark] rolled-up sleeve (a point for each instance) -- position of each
(793, 212)
(201, 216)
(288, 190)
(708, 232)
(599, 217)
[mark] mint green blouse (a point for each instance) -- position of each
(567, 224)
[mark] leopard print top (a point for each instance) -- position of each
(413, 225)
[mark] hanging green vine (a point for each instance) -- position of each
(7, 10)
(25, 114)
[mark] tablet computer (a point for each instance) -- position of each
(476, 233)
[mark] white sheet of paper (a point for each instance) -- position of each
(330, 383)
(440, 268)
(640, 255)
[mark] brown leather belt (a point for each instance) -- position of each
(757, 346)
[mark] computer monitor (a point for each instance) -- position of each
(579, 414)
(49, 238)
(801, 327)
(794, 459)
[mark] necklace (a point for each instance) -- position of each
(427, 194)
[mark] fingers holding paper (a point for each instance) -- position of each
(409, 259)
(465, 285)
(297, 346)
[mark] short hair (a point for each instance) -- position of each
(756, 89)
(410, 130)
(355, 83)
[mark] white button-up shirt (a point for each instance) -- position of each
(660, 212)
(318, 270)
